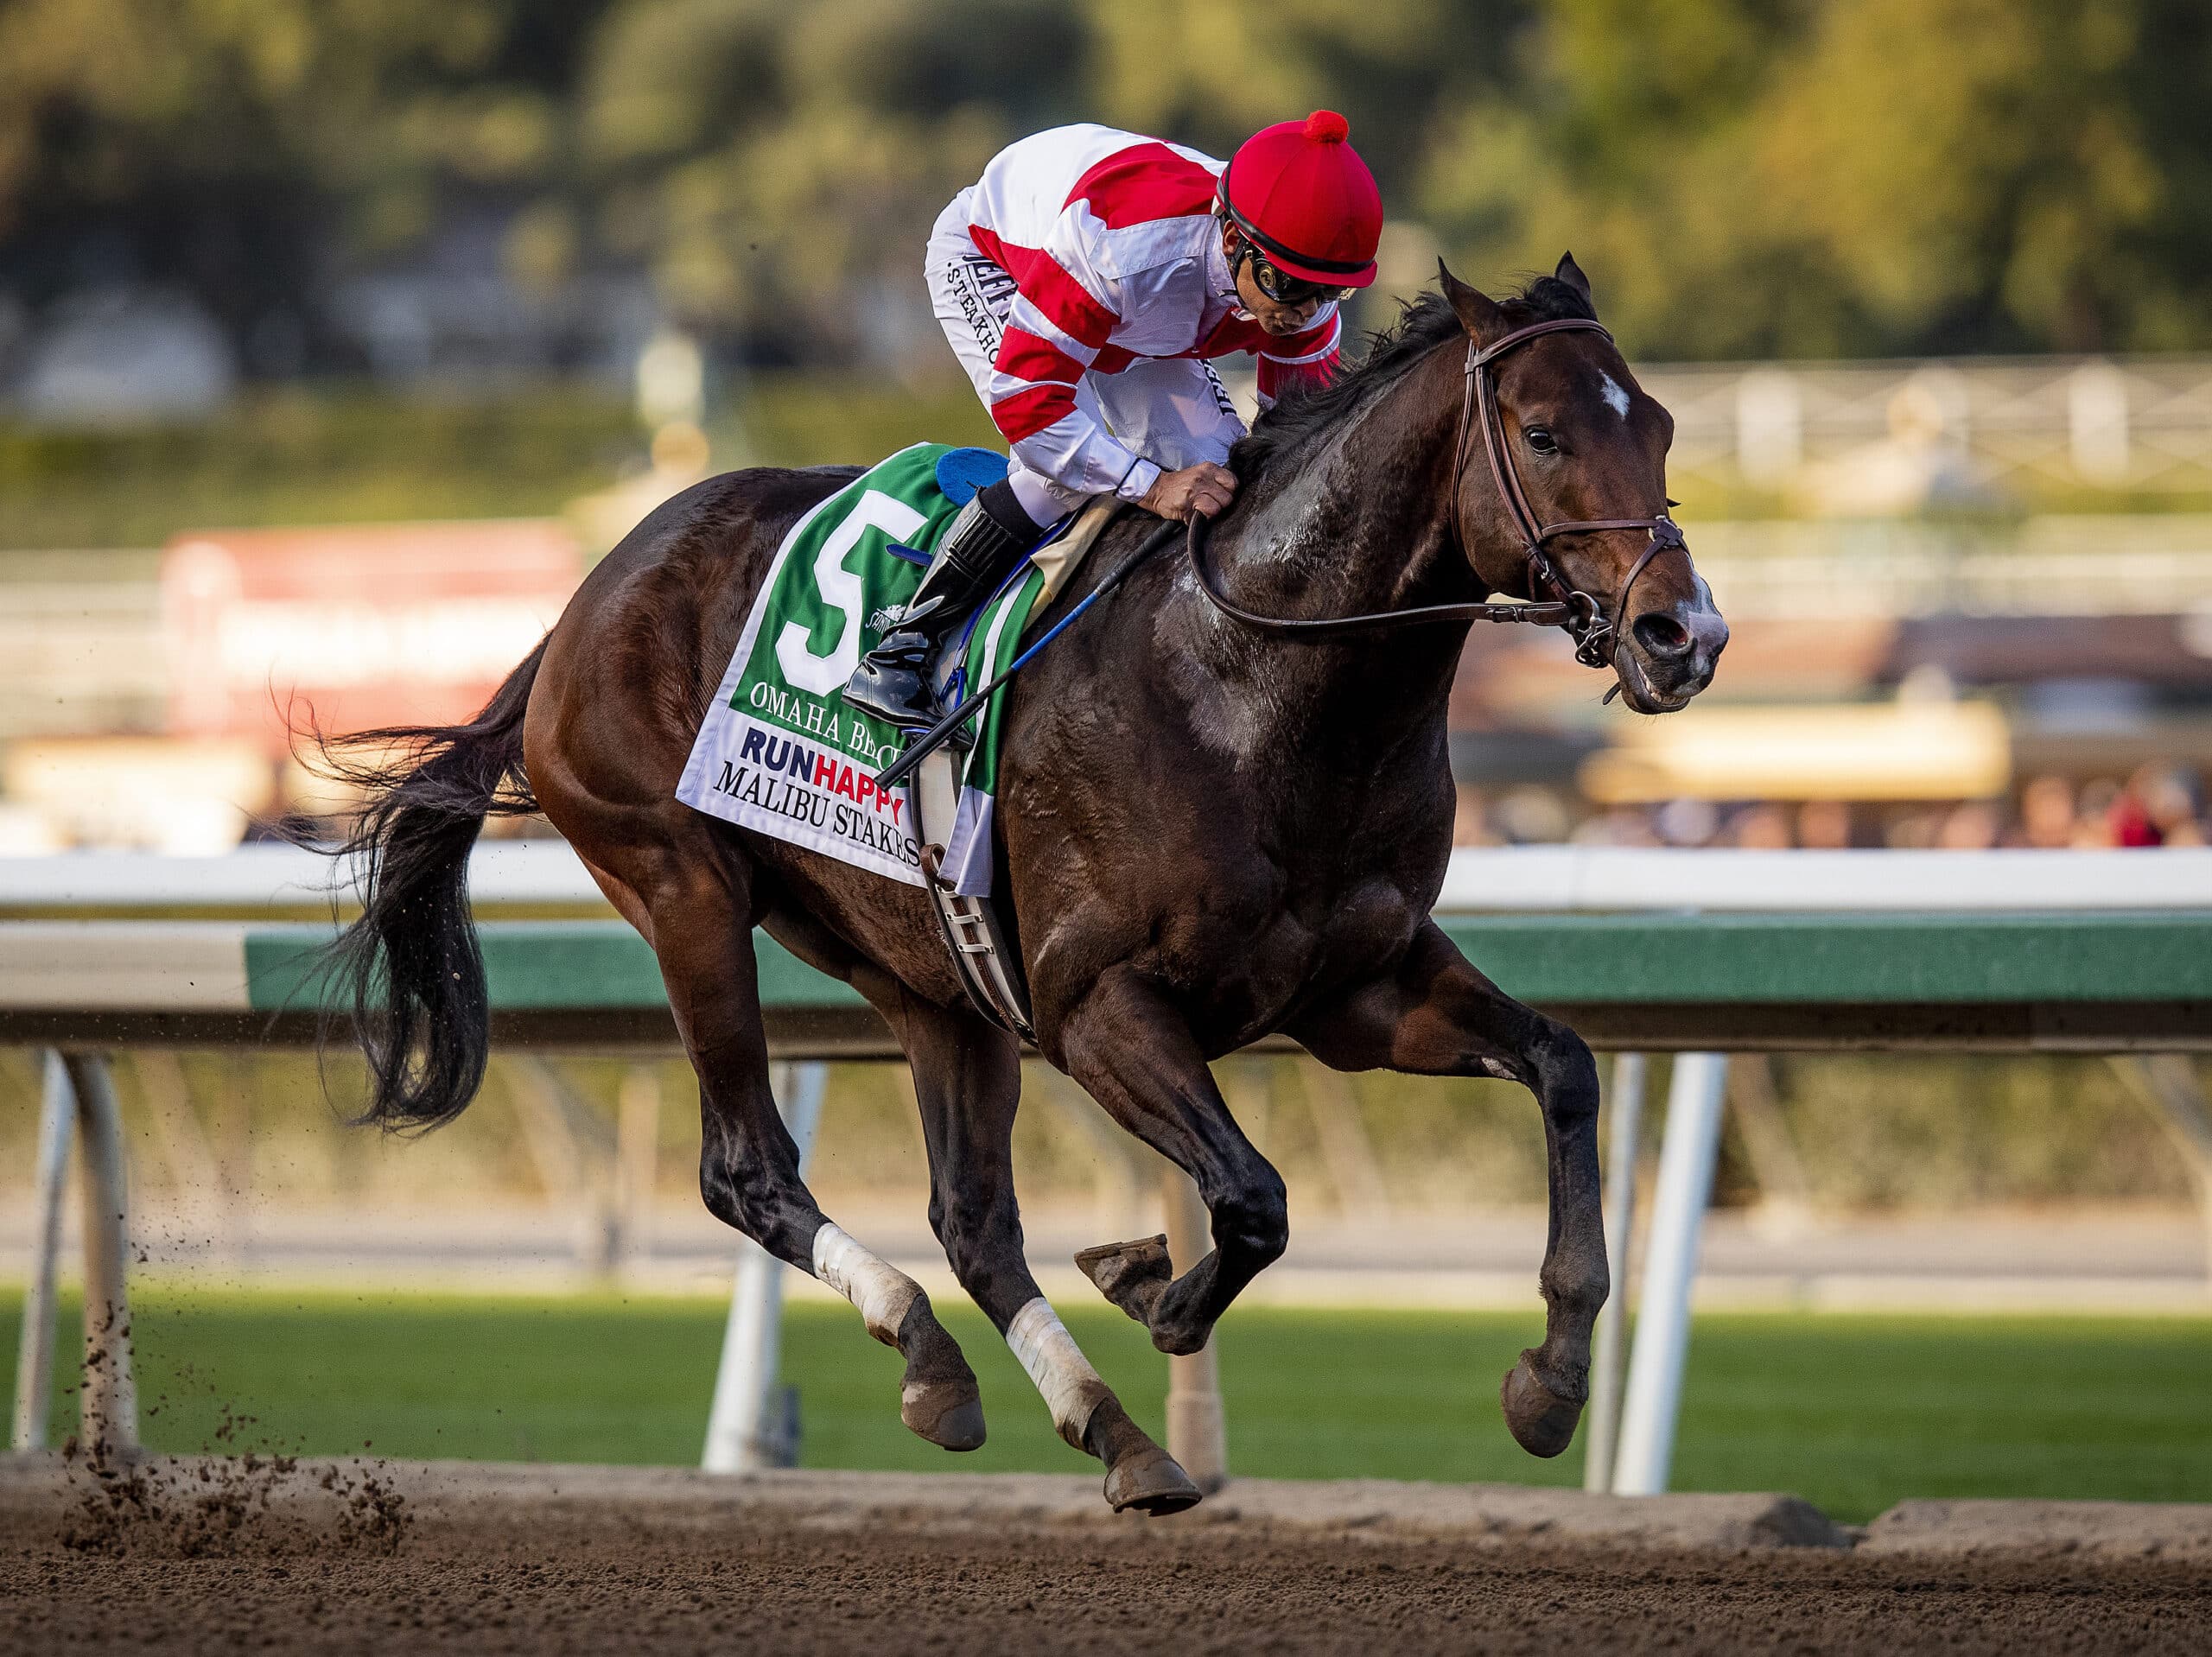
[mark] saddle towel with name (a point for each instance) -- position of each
(779, 752)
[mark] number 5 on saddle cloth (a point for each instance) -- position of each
(782, 754)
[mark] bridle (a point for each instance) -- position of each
(1555, 602)
(1595, 636)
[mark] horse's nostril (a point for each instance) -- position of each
(1662, 635)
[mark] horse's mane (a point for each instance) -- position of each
(1425, 322)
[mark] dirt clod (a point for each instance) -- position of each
(125, 1507)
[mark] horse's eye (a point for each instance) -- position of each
(1540, 440)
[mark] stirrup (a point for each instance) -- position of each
(894, 693)
(895, 682)
(919, 709)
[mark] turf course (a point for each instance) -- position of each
(1854, 1413)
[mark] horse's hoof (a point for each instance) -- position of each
(1131, 1275)
(949, 1413)
(1152, 1483)
(1181, 1340)
(1542, 1420)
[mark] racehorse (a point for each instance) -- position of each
(1213, 828)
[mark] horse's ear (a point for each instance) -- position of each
(1571, 274)
(1477, 312)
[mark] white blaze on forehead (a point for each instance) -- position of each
(1616, 399)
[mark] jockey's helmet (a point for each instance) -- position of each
(1298, 193)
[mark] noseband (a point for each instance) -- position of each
(1557, 602)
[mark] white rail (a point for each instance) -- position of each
(1623, 1105)
(502, 873)
(1536, 879)
(1565, 880)
(79, 1103)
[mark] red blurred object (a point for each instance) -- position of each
(355, 627)
(2130, 824)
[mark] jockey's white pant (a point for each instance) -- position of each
(1172, 410)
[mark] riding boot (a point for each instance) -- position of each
(893, 680)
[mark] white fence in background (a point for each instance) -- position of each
(1565, 879)
(2104, 423)
(2058, 565)
(80, 657)
(546, 874)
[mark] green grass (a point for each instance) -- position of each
(1852, 1412)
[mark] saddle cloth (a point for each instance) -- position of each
(781, 754)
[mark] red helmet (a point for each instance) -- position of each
(1303, 197)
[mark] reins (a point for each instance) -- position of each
(1555, 602)
(1542, 615)
(1561, 606)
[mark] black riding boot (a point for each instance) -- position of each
(893, 681)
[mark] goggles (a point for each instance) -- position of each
(1280, 285)
(1288, 289)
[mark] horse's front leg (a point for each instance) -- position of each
(968, 1084)
(1134, 1053)
(1438, 1015)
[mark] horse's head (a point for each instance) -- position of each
(1561, 488)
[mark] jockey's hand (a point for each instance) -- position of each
(1205, 487)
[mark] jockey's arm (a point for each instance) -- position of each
(1063, 312)
(1307, 357)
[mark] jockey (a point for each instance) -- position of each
(1084, 282)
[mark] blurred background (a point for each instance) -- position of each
(1921, 284)
(337, 340)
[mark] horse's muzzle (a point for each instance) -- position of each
(1666, 656)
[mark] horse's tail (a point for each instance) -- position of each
(410, 967)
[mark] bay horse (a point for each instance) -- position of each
(1209, 832)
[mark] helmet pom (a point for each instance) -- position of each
(1327, 126)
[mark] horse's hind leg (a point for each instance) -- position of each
(968, 1081)
(1137, 1057)
(748, 1164)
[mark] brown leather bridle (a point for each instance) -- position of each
(1556, 603)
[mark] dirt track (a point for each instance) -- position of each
(559, 1560)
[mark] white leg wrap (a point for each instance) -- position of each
(881, 1294)
(1071, 1387)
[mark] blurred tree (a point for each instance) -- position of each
(1210, 73)
(1741, 177)
(1991, 185)
(780, 168)
(1746, 177)
(233, 146)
